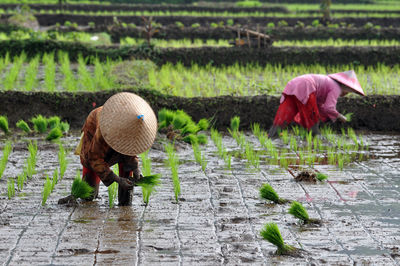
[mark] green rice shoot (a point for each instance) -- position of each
(39, 124)
(173, 162)
(321, 177)
(10, 188)
(235, 122)
(4, 159)
(46, 190)
(54, 134)
(81, 189)
(21, 124)
(54, 181)
(298, 211)
(53, 122)
(62, 160)
(267, 192)
(4, 124)
(112, 194)
(272, 234)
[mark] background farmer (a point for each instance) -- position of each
(115, 133)
(307, 99)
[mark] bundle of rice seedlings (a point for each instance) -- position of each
(53, 122)
(268, 193)
(272, 234)
(165, 118)
(179, 121)
(64, 126)
(235, 122)
(203, 124)
(4, 124)
(149, 180)
(321, 177)
(202, 139)
(348, 116)
(81, 189)
(54, 134)
(39, 124)
(191, 138)
(298, 211)
(190, 128)
(21, 124)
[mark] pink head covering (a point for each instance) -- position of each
(349, 79)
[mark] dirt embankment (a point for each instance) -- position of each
(380, 113)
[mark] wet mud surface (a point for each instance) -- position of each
(218, 219)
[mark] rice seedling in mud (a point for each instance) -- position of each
(54, 134)
(31, 73)
(267, 192)
(21, 124)
(200, 158)
(173, 162)
(10, 188)
(4, 159)
(62, 160)
(321, 177)
(31, 160)
(21, 180)
(54, 180)
(298, 211)
(85, 79)
(284, 136)
(252, 156)
(112, 194)
(149, 181)
(39, 124)
(47, 188)
(49, 72)
(80, 189)
(271, 233)
(4, 124)
(69, 83)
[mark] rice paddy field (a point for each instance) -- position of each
(223, 192)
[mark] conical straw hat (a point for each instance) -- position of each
(349, 79)
(128, 124)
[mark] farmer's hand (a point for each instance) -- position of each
(125, 183)
(342, 118)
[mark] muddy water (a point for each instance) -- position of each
(218, 218)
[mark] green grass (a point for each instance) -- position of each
(271, 233)
(267, 192)
(81, 189)
(4, 124)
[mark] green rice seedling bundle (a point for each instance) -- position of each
(81, 189)
(202, 139)
(148, 184)
(165, 117)
(20, 180)
(4, 159)
(203, 124)
(235, 123)
(173, 162)
(4, 124)
(271, 233)
(267, 192)
(39, 124)
(54, 134)
(190, 128)
(10, 188)
(21, 124)
(298, 211)
(146, 170)
(47, 187)
(321, 177)
(53, 122)
(112, 194)
(191, 138)
(62, 160)
(31, 160)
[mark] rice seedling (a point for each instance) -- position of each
(252, 156)
(4, 124)
(235, 122)
(149, 180)
(228, 160)
(54, 180)
(31, 74)
(255, 128)
(4, 159)
(62, 160)
(272, 234)
(31, 160)
(12, 76)
(340, 161)
(80, 189)
(200, 159)
(39, 124)
(298, 211)
(49, 72)
(202, 139)
(69, 83)
(165, 117)
(173, 162)
(321, 177)
(85, 79)
(267, 192)
(54, 134)
(53, 122)
(21, 124)
(20, 180)
(10, 188)
(64, 126)
(203, 124)
(112, 194)
(293, 143)
(47, 188)
(284, 136)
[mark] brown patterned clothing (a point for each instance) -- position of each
(98, 156)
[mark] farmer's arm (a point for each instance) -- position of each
(328, 108)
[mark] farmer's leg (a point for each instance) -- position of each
(93, 180)
(285, 115)
(309, 115)
(124, 196)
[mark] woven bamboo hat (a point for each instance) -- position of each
(349, 79)
(128, 124)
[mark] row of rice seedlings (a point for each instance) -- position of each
(85, 78)
(4, 159)
(49, 72)
(199, 157)
(222, 152)
(173, 163)
(12, 76)
(48, 186)
(69, 83)
(31, 74)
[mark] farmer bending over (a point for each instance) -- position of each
(115, 133)
(307, 99)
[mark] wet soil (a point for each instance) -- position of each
(218, 220)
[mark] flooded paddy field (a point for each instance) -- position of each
(218, 217)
